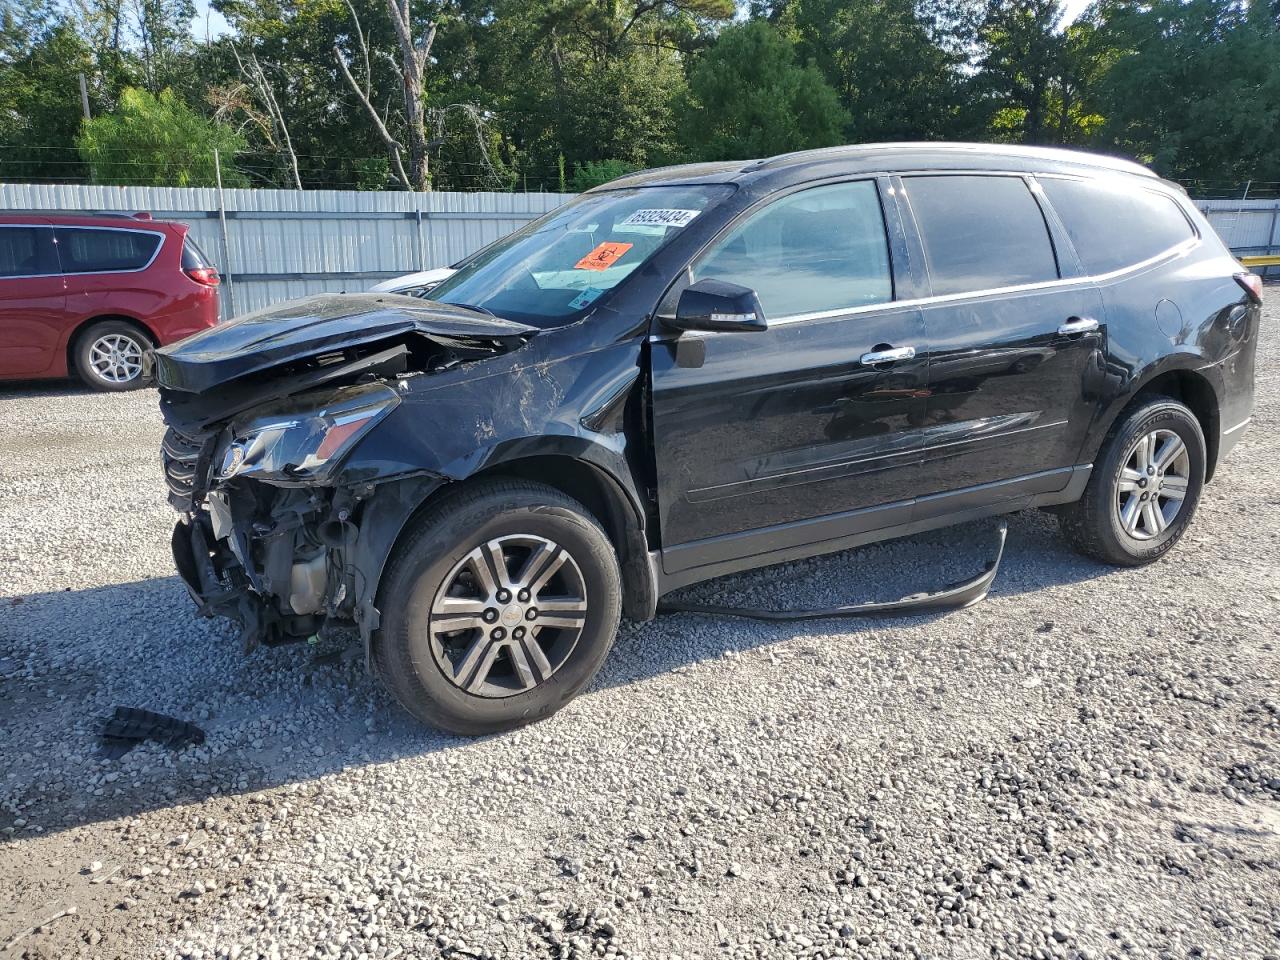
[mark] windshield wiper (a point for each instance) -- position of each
(473, 307)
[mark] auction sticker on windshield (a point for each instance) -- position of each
(660, 218)
(603, 256)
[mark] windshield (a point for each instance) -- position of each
(555, 269)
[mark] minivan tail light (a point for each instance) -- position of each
(205, 275)
(1252, 284)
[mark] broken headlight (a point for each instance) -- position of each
(305, 437)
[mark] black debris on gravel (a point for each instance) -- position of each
(129, 726)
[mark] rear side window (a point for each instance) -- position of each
(84, 250)
(820, 250)
(1091, 211)
(25, 252)
(980, 233)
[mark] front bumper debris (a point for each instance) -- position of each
(275, 560)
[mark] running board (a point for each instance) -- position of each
(954, 596)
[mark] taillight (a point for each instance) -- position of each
(1252, 284)
(206, 275)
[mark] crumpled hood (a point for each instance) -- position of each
(314, 326)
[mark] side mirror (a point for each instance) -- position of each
(718, 305)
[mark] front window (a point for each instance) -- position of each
(555, 269)
(820, 250)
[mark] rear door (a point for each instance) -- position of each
(1014, 334)
(106, 269)
(32, 300)
(772, 439)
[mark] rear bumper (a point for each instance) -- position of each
(201, 315)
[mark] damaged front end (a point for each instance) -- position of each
(256, 455)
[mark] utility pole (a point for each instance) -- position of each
(226, 244)
(84, 97)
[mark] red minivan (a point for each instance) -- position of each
(90, 294)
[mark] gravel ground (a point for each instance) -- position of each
(1087, 764)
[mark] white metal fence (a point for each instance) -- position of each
(1249, 227)
(280, 244)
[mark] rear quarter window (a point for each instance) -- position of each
(980, 232)
(84, 250)
(1113, 226)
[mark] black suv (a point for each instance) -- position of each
(698, 370)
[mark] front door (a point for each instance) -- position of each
(32, 300)
(772, 439)
(1010, 338)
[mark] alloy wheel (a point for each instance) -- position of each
(508, 615)
(116, 358)
(1153, 484)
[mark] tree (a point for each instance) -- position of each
(749, 98)
(1195, 90)
(595, 172)
(40, 109)
(1023, 55)
(158, 141)
(161, 29)
(898, 74)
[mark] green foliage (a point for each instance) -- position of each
(1207, 105)
(748, 98)
(595, 172)
(40, 102)
(897, 73)
(563, 94)
(158, 141)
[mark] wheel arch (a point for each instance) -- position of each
(1187, 385)
(389, 517)
(605, 497)
(79, 330)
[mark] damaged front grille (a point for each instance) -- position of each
(186, 461)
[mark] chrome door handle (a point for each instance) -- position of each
(887, 356)
(1078, 325)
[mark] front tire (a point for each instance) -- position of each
(1144, 487)
(499, 607)
(108, 356)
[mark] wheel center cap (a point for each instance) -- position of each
(512, 615)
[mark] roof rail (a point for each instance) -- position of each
(1059, 154)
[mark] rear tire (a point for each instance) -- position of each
(461, 651)
(108, 355)
(1144, 487)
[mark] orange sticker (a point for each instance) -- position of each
(603, 257)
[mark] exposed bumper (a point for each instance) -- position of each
(291, 563)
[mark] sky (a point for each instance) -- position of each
(208, 24)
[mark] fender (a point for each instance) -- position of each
(1124, 391)
(560, 414)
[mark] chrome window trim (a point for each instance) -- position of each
(1185, 247)
(101, 273)
(52, 238)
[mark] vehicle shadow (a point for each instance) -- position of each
(291, 714)
(31, 389)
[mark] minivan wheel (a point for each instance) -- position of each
(108, 355)
(498, 609)
(1144, 487)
